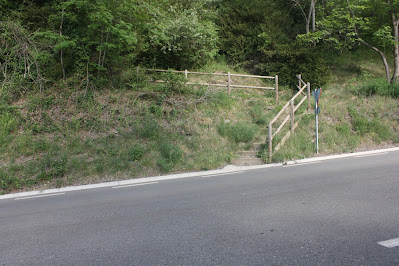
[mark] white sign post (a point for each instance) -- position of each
(316, 95)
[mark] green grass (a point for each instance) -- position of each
(358, 111)
(68, 136)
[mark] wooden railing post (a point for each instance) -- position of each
(299, 81)
(276, 87)
(228, 82)
(292, 116)
(308, 85)
(185, 73)
(137, 70)
(270, 141)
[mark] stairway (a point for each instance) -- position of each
(249, 157)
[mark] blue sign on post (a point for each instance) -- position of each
(316, 95)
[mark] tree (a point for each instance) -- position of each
(311, 13)
(178, 34)
(372, 23)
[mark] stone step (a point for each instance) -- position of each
(246, 161)
(250, 153)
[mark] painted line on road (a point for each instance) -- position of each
(299, 164)
(227, 169)
(373, 154)
(391, 243)
(135, 185)
(41, 196)
(229, 173)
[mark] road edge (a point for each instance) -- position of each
(227, 169)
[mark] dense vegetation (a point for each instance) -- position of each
(74, 110)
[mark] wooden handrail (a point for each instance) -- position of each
(290, 116)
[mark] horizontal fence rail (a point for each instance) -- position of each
(290, 117)
(228, 84)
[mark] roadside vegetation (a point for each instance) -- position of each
(74, 109)
(359, 111)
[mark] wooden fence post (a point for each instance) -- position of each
(185, 73)
(228, 82)
(292, 116)
(308, 85)
(137, 70)
(299, 80)
(276, 87)
(270, 141)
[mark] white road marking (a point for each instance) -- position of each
(299, 164)
(40, 196)
(228, 169)
(230, 173)
(135, 185)
(367, 155)
(391, 243)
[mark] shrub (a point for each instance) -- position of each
(239, 132)
(150, 128)
(362, 125)
(171, 155)
(242, 132)
(180, 38)
(136, 152)
(379, 87)
(258, 114)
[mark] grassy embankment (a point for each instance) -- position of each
(358, 111)
(66, 136)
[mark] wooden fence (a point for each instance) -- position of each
(228, 84)
(291, 116)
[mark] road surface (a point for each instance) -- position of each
(335, 212)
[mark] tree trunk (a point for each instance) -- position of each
(61, 51)
(383, 57)
(395, 22)
(313, 7)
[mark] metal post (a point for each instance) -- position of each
(292, 116)
(317, 129)
(308, 85)
(228, 82)
(276, 88)
(270, 141)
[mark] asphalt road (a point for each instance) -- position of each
(325, 213)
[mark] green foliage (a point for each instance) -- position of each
(379, 87)
(8, 181)
(363, 125)
(180, 37)
(136, 152)
(174, 83)
(259, 115)
(171, 154)
(287, 61)
(52, 166)
(246, 25)
(238, 132)
(150, 128)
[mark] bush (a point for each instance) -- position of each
(239, 132)
(379, 87)
(180, 38)
(150, 128)
(287, 61)
(171, 155)
(362, 125)
(136, 152)
(258, 114)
